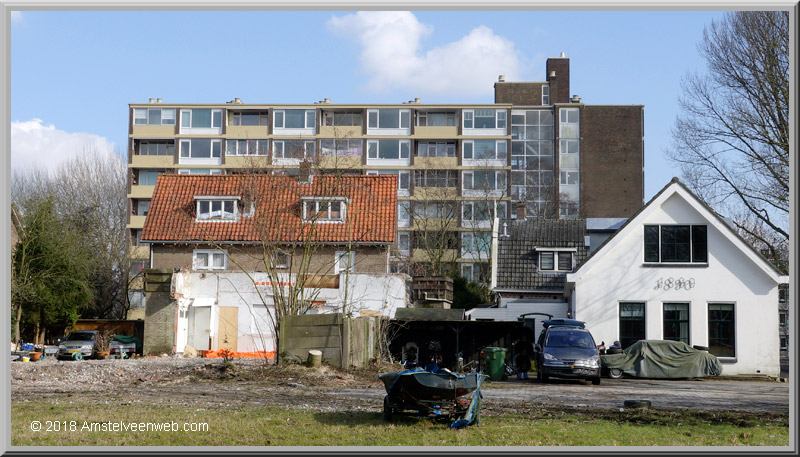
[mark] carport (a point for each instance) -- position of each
(427, 331)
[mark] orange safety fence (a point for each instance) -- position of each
(221, 353)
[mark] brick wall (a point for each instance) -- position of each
(369, 259)
(559, 89)
(518, 93)
(611, 161)
(159, 317)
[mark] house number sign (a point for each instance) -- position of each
(673, 283)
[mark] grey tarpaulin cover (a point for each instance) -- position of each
(663, 359)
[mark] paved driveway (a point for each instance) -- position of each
(702, 394)
(769, 396)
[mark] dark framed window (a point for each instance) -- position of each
(631, 323)
(564, 261)
(722, 329)
(676, 243)
(676, 322)
(547, 261)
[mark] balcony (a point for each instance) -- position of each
(436, 162)
(436, 132)
(435, 193)
(139, 161)
(247, 162)
(153, 131)
(421, 255)
(136, 222)
(246, 131)
(339, 162)
(141, 192)
(340, 132)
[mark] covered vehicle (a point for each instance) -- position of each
(660, 359)
(78, 345)
(565, 349)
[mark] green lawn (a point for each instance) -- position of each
(263, 426)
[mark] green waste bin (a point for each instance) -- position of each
(495, 362)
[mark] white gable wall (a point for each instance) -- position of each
(618, 274)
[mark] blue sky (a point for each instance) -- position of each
(74, 73)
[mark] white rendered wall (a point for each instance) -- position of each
(730, 277)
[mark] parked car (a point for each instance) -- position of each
(565, 349)
(664, 359)
(83, 342)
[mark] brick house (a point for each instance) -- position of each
(240, 245)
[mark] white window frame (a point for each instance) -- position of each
(210, 254)
(500, 122)
(404, 207)
(471, 244)
(211, 200)
(407, 236)
(280, 114)
(279, 259)
(186, 113)
(337, 142)
(403, 122)
(468, 209)
(147, 116)
(468, 184)
(279, 151)
(556, 252)
(237, 141)
(327, 218)
(545, 94)
(205, 171)
(404, 156)
(349, 258)
(199, 160)
(262, 117)
(468, 148)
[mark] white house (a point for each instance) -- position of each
(677, 270)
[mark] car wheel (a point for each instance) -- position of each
(613, 351)
(614, 373)
(387, 409)
(596, 381)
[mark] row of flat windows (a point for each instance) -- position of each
(299, 148)
(380, 118)
(676, 325)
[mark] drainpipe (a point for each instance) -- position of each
(493, 263)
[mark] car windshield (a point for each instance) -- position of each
(80, 336)
(570, 339)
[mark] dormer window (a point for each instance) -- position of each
(211, 208)
(330, 209)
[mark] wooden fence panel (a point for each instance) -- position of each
(330, 333)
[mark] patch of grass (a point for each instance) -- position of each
(266, 426)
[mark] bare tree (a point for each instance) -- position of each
(89, 192)
(732, 138)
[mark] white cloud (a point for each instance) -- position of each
(391, 55)
(34, 145)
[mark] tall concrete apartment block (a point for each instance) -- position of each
(535, 152)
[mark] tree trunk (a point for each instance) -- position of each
(314, 358)
(16, 324)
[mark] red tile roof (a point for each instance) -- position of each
(370, 215)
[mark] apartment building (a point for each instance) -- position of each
(456, 164)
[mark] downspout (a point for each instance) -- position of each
(493, 263)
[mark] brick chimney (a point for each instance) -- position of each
(520, 209)
(559, 93)
(305, 172)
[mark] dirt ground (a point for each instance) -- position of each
(205, 383)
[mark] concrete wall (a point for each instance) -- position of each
(730, 277)
(160, 314)
(369, 259)
(364, 293)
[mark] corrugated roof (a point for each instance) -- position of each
(370, 214)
